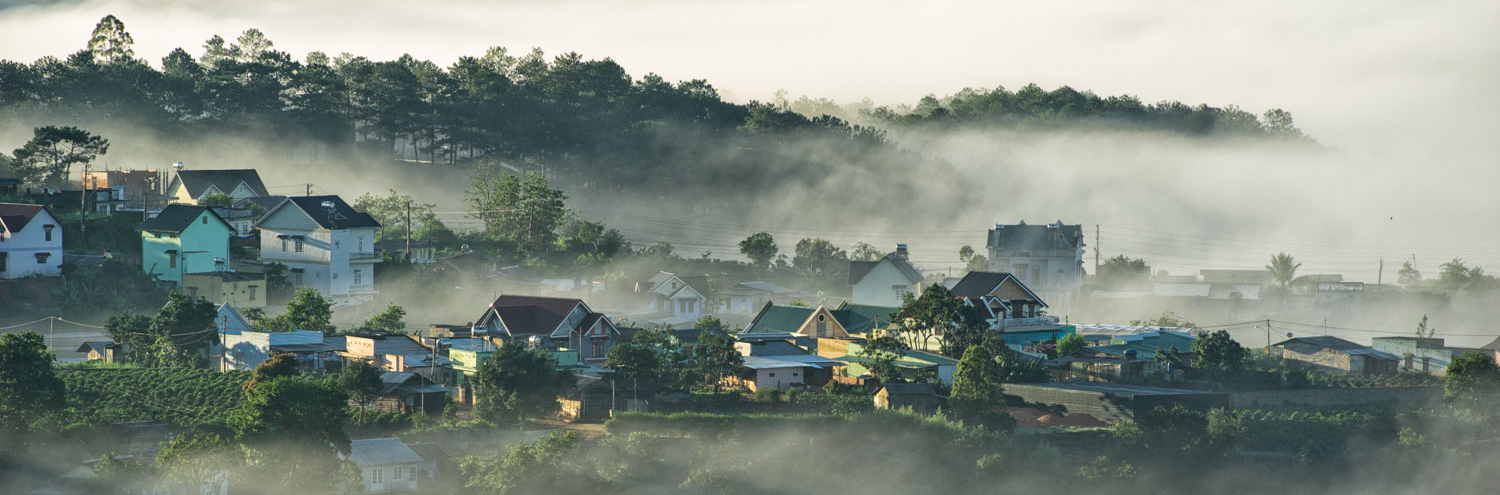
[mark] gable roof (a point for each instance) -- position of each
(978, 284)
(529, 314)
(858, 269)
(266, 202)
(15, 216)
(198, 181)
(775, 318)
(861, 318)
(100, 346)
(1494, 345)
(342, 216)
(177, 217)
(231, 320)
(381, 451)
(769, 348)
(1023, 237)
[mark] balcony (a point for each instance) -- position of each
(364, 256)
(1029, 322)
(363, 289)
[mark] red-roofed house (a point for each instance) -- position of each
(557, 323)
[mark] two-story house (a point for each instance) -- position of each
(325, 244)
(184, 239)
(555, 322)
(1048, 258)
(1012, 309)
(672, 300)
(189, 186)
(885, 281)
(30, 241)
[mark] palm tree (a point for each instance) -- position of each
(1283, 269)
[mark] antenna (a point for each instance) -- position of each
(178, 165)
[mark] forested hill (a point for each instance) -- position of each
(588, 122)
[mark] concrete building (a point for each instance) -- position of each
(30, 242)
(325, 244)
(1338, 355)
(886, 281)
(1423, 355)
(184, 239)
(1047, 258)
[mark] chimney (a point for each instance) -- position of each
(901, 252)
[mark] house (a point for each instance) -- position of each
(325, 244)
(864, 319)
(1128, 356)
(672, 300)
(389, 352)
(1047, 258)
(819, 322)
(1423, 355)
(919, 397)
(912, 364)
(407, 392)
(565, 325)
(1011, 307)
(105, 351)
(242, 289)
(1492, 349)
(247, 349)
(422, 250)
(884, 282)
(189, 186)
(745, 298)
(388, 465)
(230, 321)
(241, 220)
(133, 186)
(1339, 355)
(786, 371)
(593, 399)
(30, 242)
(184, 239)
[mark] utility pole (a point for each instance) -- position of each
(308, 190)
(1268, 335)
(408, 230)
(51, 340)
(1096, 250)
(83, 205)
(1380, 275)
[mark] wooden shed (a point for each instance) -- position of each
(920, 397)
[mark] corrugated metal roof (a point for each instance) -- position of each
(381, 451)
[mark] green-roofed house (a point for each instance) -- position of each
(862, 318)
(911, 363)
(1130, 356)
(819, 322)
(184, 239)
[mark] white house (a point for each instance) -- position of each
(746, 298)
(30, 241)
(883, 282)
(244, 350)
(673, 300)
(325, 244)
(389, 465)
(1048, 258)
(188, 186)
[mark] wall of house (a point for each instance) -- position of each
(21, 247)
(202, 243)
(878, 288)
(154, 257)
(1323, 359)
(1432, 359)
(776, 378)
(391, 481)
(243, 294)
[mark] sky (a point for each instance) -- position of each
(1402, 91)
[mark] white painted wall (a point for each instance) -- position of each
(22, 247)
(877, 288)
(778, 378)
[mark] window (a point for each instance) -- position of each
(298, 246)
(172, 261)
(297, 277)
(794, 373)
(41, 258)
(47, 231)
(252, 293)
(5, 259)
(377, 476)
(204, 219)
(413, 472)
(192, 292)
(283, 244)
(598, 349)
(397, 474)
(357, 277)
(686, 305)
(773, 374)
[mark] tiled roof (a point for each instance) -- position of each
(978, 284)
(779, 319)
(198, 181)
(343, 216)
(529, 314)
(177, 218)
(1024, 237)
(15, 216)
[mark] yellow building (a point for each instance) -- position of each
(239, 289)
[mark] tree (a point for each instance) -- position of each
(881, 354)
(279, 365)
(392, 211)
(977, 389)
(1016, 367)
(863, 251)
(1472, 381)
(388, 321)
(52, 151)
(521, 210)
(635, 363)
(1167, 319)
(307, 310)
(716, 358)
(1069, 344)
(1456, 277)
(216, 200)
(29, 385)
(1408, 276)
(1166, 359)
(710, 323)
(1283, 269)
(187, 323)
(517, 383)
(965, 253)
(110, 43)
(1423, 331)
(198, 459)
(978, 263)
(1121, 272)
(293, 432)
(1278, 122)
(760, 248)
(361, 380)
(819, 258)
(938, 313)
(1218, 353)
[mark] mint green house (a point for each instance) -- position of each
(184, 239)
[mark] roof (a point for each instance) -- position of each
(861, 318)
(232, 321)
(774, 318)
(381, 451)
(1022, 237)
(428, 451)
(691, 336)
(15, 216)
(1322, 342)
(100, 346)
(908, 389)
(1494, 345)
(858, 269)
(978, 284)
(529, 314)
(770, 348)
(177, 217)
(342, 216)
(198, 181)
(747, 288)
(266, 202)
(802, 361)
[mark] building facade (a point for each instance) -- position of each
(30, 242)
(184, 239)
(1047, 258)
(324, 243)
